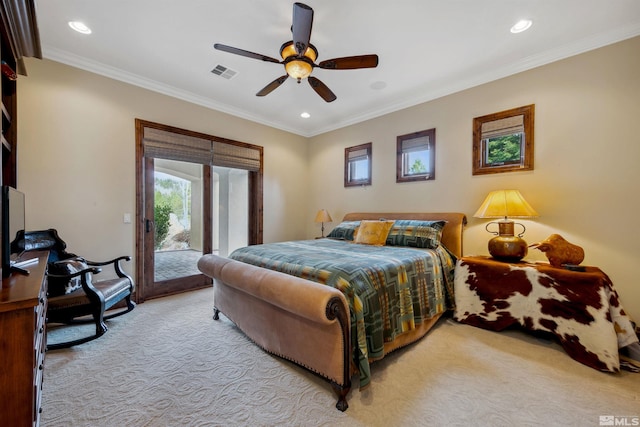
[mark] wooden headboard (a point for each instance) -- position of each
(451, 234)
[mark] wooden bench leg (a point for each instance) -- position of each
(342, 392)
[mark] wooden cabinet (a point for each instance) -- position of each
(23, 306)
(19, 39)
(22, 297)
(9, 124)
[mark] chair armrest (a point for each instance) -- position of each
(85, 281)
(115, 262)
(93, 270)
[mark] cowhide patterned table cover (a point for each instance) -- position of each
(581, 309)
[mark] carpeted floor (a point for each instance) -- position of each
(168, 363)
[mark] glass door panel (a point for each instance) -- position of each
(230, 219)
(176, 236)
(177, 218)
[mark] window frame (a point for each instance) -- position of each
(401, 155)
(480, 165)
(348, 180)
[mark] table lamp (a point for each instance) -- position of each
(323, 216)
(504, 204)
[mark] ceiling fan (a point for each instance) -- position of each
(298, 56)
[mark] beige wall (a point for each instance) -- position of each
(587, 151)
(76, 158)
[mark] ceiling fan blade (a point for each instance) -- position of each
(272, 86)
(301, 27)
(243, 52)
(350, 62)
(321, 89)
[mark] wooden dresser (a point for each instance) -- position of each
(23, 306)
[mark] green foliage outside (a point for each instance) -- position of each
(418, 167)
(171, 192)
(505, 149)
(161, 219)
(172, 196)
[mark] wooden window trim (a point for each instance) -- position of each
(356, 183)
(479, 167)
(400, 140)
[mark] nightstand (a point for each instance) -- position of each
(581, 309)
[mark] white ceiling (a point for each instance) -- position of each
(427, 49)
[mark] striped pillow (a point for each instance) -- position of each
(416, 234)
(344, 231)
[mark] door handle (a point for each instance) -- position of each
(148, 225)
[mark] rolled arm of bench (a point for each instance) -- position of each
(302, 297)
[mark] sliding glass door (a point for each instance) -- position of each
(190, 203)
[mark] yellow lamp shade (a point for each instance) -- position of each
(505, 203)
(323, 216)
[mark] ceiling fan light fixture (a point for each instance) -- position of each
(298, 67)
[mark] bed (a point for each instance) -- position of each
(333, 306)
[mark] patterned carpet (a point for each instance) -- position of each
(168, 363)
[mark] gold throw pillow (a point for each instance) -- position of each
(373, 232)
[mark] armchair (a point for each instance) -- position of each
(74, 297)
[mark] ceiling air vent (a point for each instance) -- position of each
(223, 71)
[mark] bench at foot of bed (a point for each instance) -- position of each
(301, 321)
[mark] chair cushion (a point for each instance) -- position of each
(61, 286)
(113, 290)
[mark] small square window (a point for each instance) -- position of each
(357, 165)
(503, 142)
(416, 156)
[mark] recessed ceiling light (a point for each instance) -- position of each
(522, 25)
(80, 27)
(305, 115)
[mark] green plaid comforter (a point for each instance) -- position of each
(390, 289)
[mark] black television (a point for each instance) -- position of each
(13, 227)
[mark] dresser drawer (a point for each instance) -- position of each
(23, 308)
